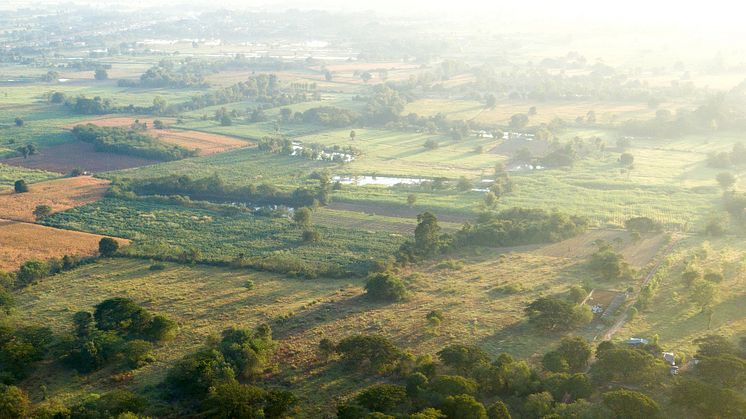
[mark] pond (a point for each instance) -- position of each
(377, 180)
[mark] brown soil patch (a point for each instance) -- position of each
(65, 157)
(206, 143)
(21, 241)
(60, 194)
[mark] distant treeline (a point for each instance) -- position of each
(213, 189)
(127, 141)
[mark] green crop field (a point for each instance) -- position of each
(219, 238)
(10, 174)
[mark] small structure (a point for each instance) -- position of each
(636, 341)
(670, 358)
(597, 309)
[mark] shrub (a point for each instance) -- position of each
(385, 287)
(14, 403)
(369, 352)
(20, 186)
(107, 247)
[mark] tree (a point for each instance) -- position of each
(286, 114)
(384, 286)
(371, 352)
(726, 180)
(353, 134)
(704, 294)
(6, 300)
(427, 234)
(21, 186)
(490, 200)
(626, 159)
(31, 271)
(463, 358)
(235, 400)
(642, 225)
(499, 410)
(538, 405)
(411, 199)
(101, 74)
(464, 406)
(302, 216)
(385, 398)
(627, 404)
(248, 352)
(14, 403)
(518, 121)
(453, 385)
(555, 315)
(196, 373)
(42, 211)
(366, 76)
(158, 124)
(107, 247)
(708, 400)
(576, 351)
(490, 101)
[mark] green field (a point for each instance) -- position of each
(170, 230)
(10, 174)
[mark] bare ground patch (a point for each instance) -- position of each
(59, 194)
(76, 154)
(21, 241)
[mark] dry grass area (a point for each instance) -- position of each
(637, 253)
(206, 143)
(60, 194)
(21, 241)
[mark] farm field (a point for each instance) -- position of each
(59, 194)
(404, 154)
(65, 157)
(172, 230)
(20, 241)
(236, 167)
(205, 143)
(10, 174)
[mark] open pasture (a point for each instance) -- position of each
(59, 194)
(20, 241)
(403, 153)
(606, 112)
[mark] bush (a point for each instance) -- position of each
(20, 186)
(247, 352)
(311, 236)
(196, 373)
(107, 247)
(385, 287)
(371, 352)
(14, 403)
